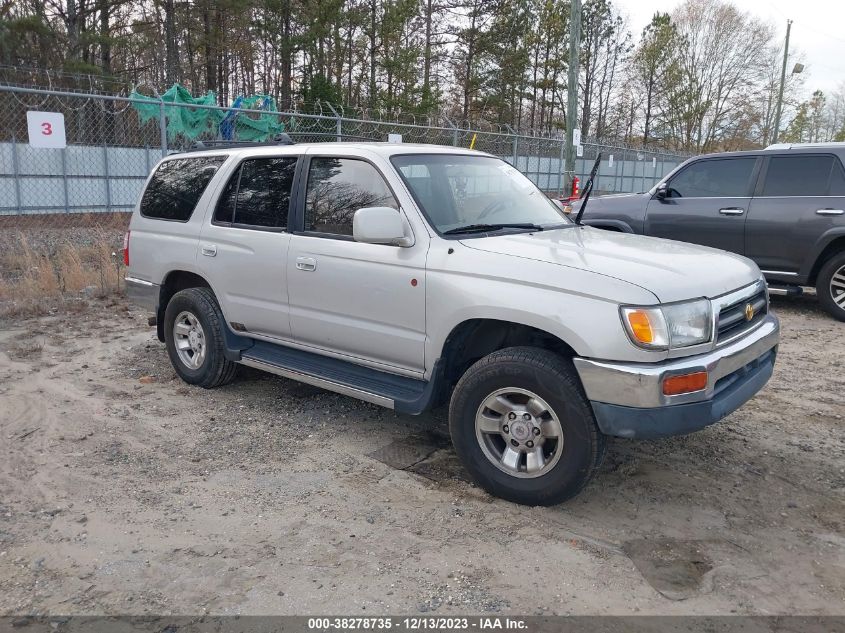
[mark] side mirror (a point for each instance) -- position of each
(379, 225)
(662, 191)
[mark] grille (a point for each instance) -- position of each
(732, 319)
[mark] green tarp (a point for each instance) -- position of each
(193, 122)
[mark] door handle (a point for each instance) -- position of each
(209, 250)
(830, 211)
(306, 263)
(732, 211)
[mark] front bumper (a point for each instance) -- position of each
(628, 399)
(142, 293)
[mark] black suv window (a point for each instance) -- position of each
(807, 175)
(177, 186)
(837, 179)
(258, 193)
(721, 178)
(337, 188)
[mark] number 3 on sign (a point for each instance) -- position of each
(46, 129)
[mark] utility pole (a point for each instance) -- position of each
(782, 81)
(572, 88)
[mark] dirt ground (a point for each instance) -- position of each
(125, 491)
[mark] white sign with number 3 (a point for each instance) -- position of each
(46, 129)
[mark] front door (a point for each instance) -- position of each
(365, 302)
(244, 246)
(801, 197)
(706, 203)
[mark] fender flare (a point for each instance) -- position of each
(619, 225)
(811, 262)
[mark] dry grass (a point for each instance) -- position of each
(28, 351)
(35, 280)
(115, 220)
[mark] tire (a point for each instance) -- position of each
(830, 286)
(528, 379)
(203, 362)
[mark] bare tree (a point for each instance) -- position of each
(654, 67)
(723, 53)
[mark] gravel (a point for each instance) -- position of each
(268, 496)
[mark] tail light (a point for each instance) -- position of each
(126, 249)
(576, 188)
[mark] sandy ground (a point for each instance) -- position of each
(123, 490)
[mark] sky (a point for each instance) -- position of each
(817, 32)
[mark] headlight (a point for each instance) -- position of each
(669, 326)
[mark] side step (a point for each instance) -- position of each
(786, 291)
(405, 395)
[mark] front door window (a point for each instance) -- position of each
(337, 188)
(721, 178)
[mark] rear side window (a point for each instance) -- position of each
(337, 188)
(177, 186)
(722, 178)
(258, 193)
(799, 175)
(837, 179)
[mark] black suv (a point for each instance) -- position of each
(783, 207)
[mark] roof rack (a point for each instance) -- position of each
(334, 136)
(820, 144)
(279, 139)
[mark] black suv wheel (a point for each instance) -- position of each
(193, 332)
(830, 286)
(523, 427)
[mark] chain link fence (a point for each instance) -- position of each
(112, 146)
(63, 210)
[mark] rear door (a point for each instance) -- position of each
(706, 203)
(244, 245)
(799, 197)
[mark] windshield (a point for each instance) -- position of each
(459, 192)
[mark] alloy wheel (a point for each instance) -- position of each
(837, 287)
(519, 432)
(189, 339)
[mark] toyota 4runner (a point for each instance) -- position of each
(411, 276)
(783, 207)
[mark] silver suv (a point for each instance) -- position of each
(410, 276)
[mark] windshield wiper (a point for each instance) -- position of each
(484, 228)
(588, 189)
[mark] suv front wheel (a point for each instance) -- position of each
(193, 332)
(523, 427)
(830, 286)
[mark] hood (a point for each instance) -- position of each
(613, 202)
(672, 271)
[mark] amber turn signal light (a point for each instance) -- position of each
(641, 326)
(685, 383)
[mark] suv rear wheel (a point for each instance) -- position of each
(830, 286)
(194, 336)
(522, 425)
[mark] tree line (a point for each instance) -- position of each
(704, 77)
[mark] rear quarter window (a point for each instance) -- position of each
(837, 179)
(176, 187)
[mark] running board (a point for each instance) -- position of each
(786, 291)
(403, 394)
